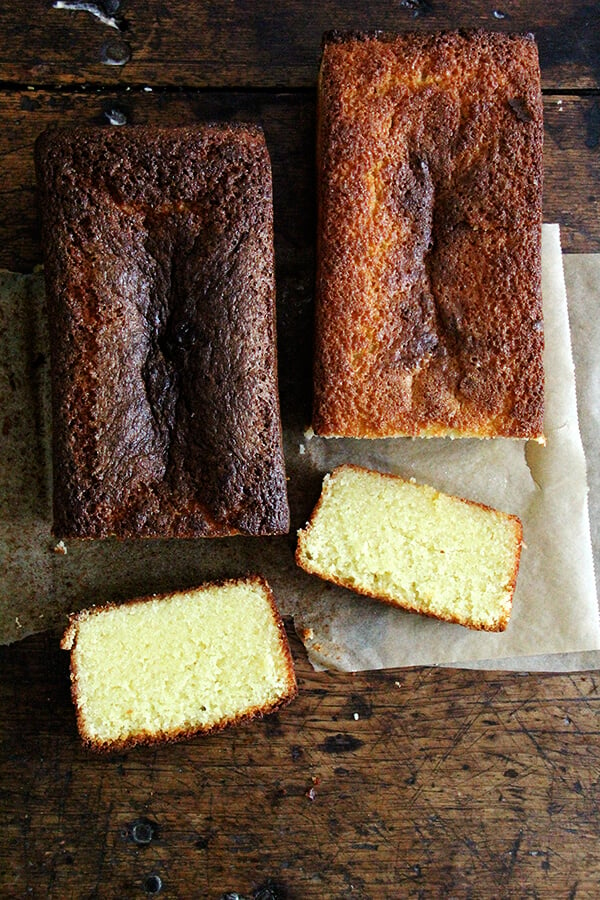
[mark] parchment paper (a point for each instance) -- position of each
(555, 605)
(555, 609)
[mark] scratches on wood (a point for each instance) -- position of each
(427, 802)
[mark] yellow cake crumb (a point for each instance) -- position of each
(169, 666)
(413, 546)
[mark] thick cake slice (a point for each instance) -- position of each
(409, 545)
(429, 310)
(165, 668)
(158, 248)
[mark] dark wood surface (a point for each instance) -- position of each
(261, 43)
(416, 783)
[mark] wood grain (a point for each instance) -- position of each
(415, 783)
(419, 783)
(256, 43)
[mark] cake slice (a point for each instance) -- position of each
(159, 267)
(167, 667)
(414, 547)
(428, 303)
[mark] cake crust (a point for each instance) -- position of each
(160, 281)
(429, 312)
(304, 562)
(69, 641)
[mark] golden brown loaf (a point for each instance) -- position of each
(429, 311)
(160, 281)
(414, 547)
(165, 668)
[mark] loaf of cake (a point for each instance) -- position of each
(414, 547)
(158, 247)
(167, 667)
(429, 311)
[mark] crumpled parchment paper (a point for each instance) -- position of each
(555, 608)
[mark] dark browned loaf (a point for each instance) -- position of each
(429, 310)
(160, 279)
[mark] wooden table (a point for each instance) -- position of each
(411, 783)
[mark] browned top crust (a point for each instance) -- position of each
(429, 311)
(160, 280)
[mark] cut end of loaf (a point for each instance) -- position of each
(411, 546)
(165, 668)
